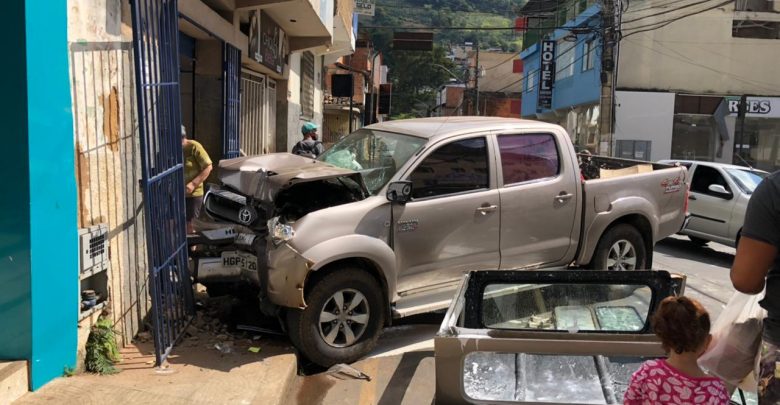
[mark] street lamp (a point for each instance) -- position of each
(454, 76)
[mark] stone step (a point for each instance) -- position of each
(13, 380)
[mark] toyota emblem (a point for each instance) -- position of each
(246, 215)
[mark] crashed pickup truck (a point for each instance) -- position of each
(385, 223)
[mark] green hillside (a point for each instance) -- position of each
(414, 74)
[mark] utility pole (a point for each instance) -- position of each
(609, 37)
(477, 73)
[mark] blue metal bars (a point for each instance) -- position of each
(231, 97)
(155, 36)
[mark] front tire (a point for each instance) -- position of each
(343, 319)
(621, 248)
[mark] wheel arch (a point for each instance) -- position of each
(638, 221)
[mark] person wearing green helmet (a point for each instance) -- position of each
(309, 146)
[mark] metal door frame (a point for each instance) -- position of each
(231, 100)
(156, 57)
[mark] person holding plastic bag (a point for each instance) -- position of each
(757, 267)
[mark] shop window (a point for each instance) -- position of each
(307, 85)
(528, 157)
(755, 29)
(589, 55)
(694, 137)
(629, 149)
(457, 167)
(753, 5)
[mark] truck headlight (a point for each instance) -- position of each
(279, 232)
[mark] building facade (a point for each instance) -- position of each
(680, 86)
(249, 74)
(573, 73)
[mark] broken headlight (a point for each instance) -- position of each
(279, 232)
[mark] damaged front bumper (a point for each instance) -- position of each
(286, 275)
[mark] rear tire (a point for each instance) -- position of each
(621, 248)
(328, 333)
(698, 241)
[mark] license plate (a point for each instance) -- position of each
(228, 267)
(241, 260)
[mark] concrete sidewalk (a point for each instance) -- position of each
(196, 374)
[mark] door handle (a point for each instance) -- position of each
(487, 208)
(692, 197)
(563, 196)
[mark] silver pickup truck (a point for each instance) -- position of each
(386, 222)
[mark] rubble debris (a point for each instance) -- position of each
(345, 372)
(255, 349)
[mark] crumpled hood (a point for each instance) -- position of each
(262, 177)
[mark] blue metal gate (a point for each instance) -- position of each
(155, 36)
(231, 72)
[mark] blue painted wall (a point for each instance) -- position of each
(53, 220)
(15, 297)
(38, 234)
(582, 87)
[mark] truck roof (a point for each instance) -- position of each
(443, 127)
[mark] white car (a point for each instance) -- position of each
(719, 194)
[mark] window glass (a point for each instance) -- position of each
(528, 157)
(566, 307)
(589, 51)
(747, 180)
(377, 155)
(564, 62)
(705, 176)
(457, 167)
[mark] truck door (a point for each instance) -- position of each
(539, 200)
(451, 224)
(710, 210)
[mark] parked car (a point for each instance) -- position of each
(719, 194)
(385, 223)
(552, 337)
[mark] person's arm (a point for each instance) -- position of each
(200, 178)
(757, 247)
(751, 265)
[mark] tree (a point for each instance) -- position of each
(416, 78)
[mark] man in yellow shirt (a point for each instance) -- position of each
(197, 167)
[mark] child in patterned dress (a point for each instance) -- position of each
(683, 326)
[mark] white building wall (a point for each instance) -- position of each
(646, 116)
(294, 118)
(696, 54)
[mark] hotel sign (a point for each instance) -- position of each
(546, 75)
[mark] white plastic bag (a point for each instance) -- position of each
(736, 340)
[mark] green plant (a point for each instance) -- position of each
(102, 350)
(68, 371)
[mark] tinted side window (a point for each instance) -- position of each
(453, 168)
(703, 177)
(528, 157)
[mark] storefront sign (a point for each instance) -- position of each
(365, 7)
(546, 74)
(271, 45)
(254, 35)
(758, 107)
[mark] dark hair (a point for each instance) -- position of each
(682, 324)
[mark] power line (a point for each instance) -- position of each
(661, 24)
(667, 11)
(690, 62)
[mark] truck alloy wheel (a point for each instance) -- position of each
(622, 256)
(621, 248)
(344, 318)
(344, 315)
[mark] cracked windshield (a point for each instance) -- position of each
(391, 202)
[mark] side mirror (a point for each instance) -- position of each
(718, 189)
(399, 192)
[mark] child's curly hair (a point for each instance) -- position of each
(682, 324)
